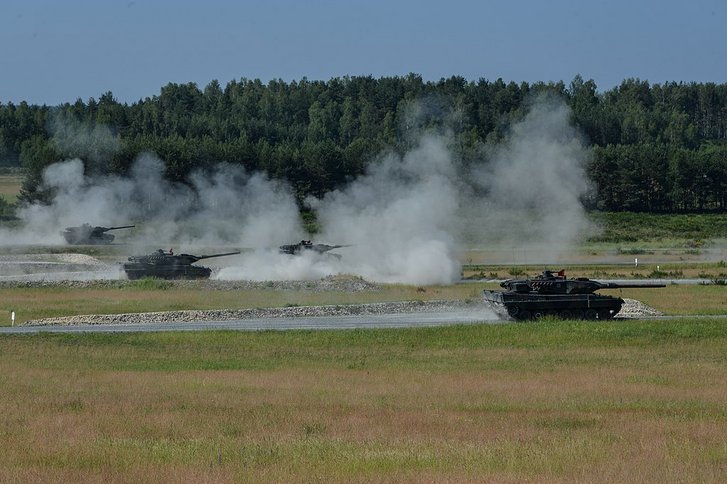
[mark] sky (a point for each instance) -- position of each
(52, 52)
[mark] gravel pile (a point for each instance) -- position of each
(636, 309)
(285, 312)
(631, 309)
(82, 259)
(330, 283)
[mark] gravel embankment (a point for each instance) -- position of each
(631, 309)
(232, 314)
(331, 283)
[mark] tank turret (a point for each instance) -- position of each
(552, 293)
(166, 265)
(306, 245)
(87, 235)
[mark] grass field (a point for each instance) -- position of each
(149, 295)
(549, 401)
(545, 401)
(42, 302)
(714, 271)
(10, 187)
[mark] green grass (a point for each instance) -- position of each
(9, 190)
(154, 295)
(382, 348)
(542, 401)
(676, 270)
(545, 401)
(682, 230)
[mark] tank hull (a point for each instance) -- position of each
(138, 271)
(76, 239)
(525, 306)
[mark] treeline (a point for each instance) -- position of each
(656, 148)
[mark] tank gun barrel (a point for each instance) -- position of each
(628, 285)
(102, 230)
(106, 229)
(551, 283)
(326, 248)
(200, 257)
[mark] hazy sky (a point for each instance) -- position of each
(58, 51)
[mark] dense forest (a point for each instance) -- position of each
(654, 148)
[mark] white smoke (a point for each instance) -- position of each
(407, 218)
(532, 186)
(404, 221)
(270, 265)
(224, 207)
(94, 142)
(396, 219)
(399, 217)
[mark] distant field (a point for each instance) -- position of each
(692, 229)
(648, 270)
(547, 401)
(10, 186)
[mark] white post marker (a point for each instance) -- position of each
(12, 318)
(636, 261)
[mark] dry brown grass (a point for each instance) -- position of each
(390, 406)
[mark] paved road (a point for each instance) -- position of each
(403, 320)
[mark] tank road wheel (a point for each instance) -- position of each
(513, 311)
(525, 316)
(565, 314)
(578, 314)
(604, 314)
(538, 314)
(591, 314)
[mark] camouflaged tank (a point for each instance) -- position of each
(166, 265)
(306, 245)
(87, 235)
(552, 294)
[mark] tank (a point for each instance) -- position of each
(87, 235)
(166, 265)
(307, 245)
(552, 294)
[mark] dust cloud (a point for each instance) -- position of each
(225, 206)
(532, 183)
(398, 217)
(405, 220)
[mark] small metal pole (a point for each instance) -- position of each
(12, 318)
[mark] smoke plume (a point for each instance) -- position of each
(399, 217)
(405, 220)
(531, 186)
(224, 207)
